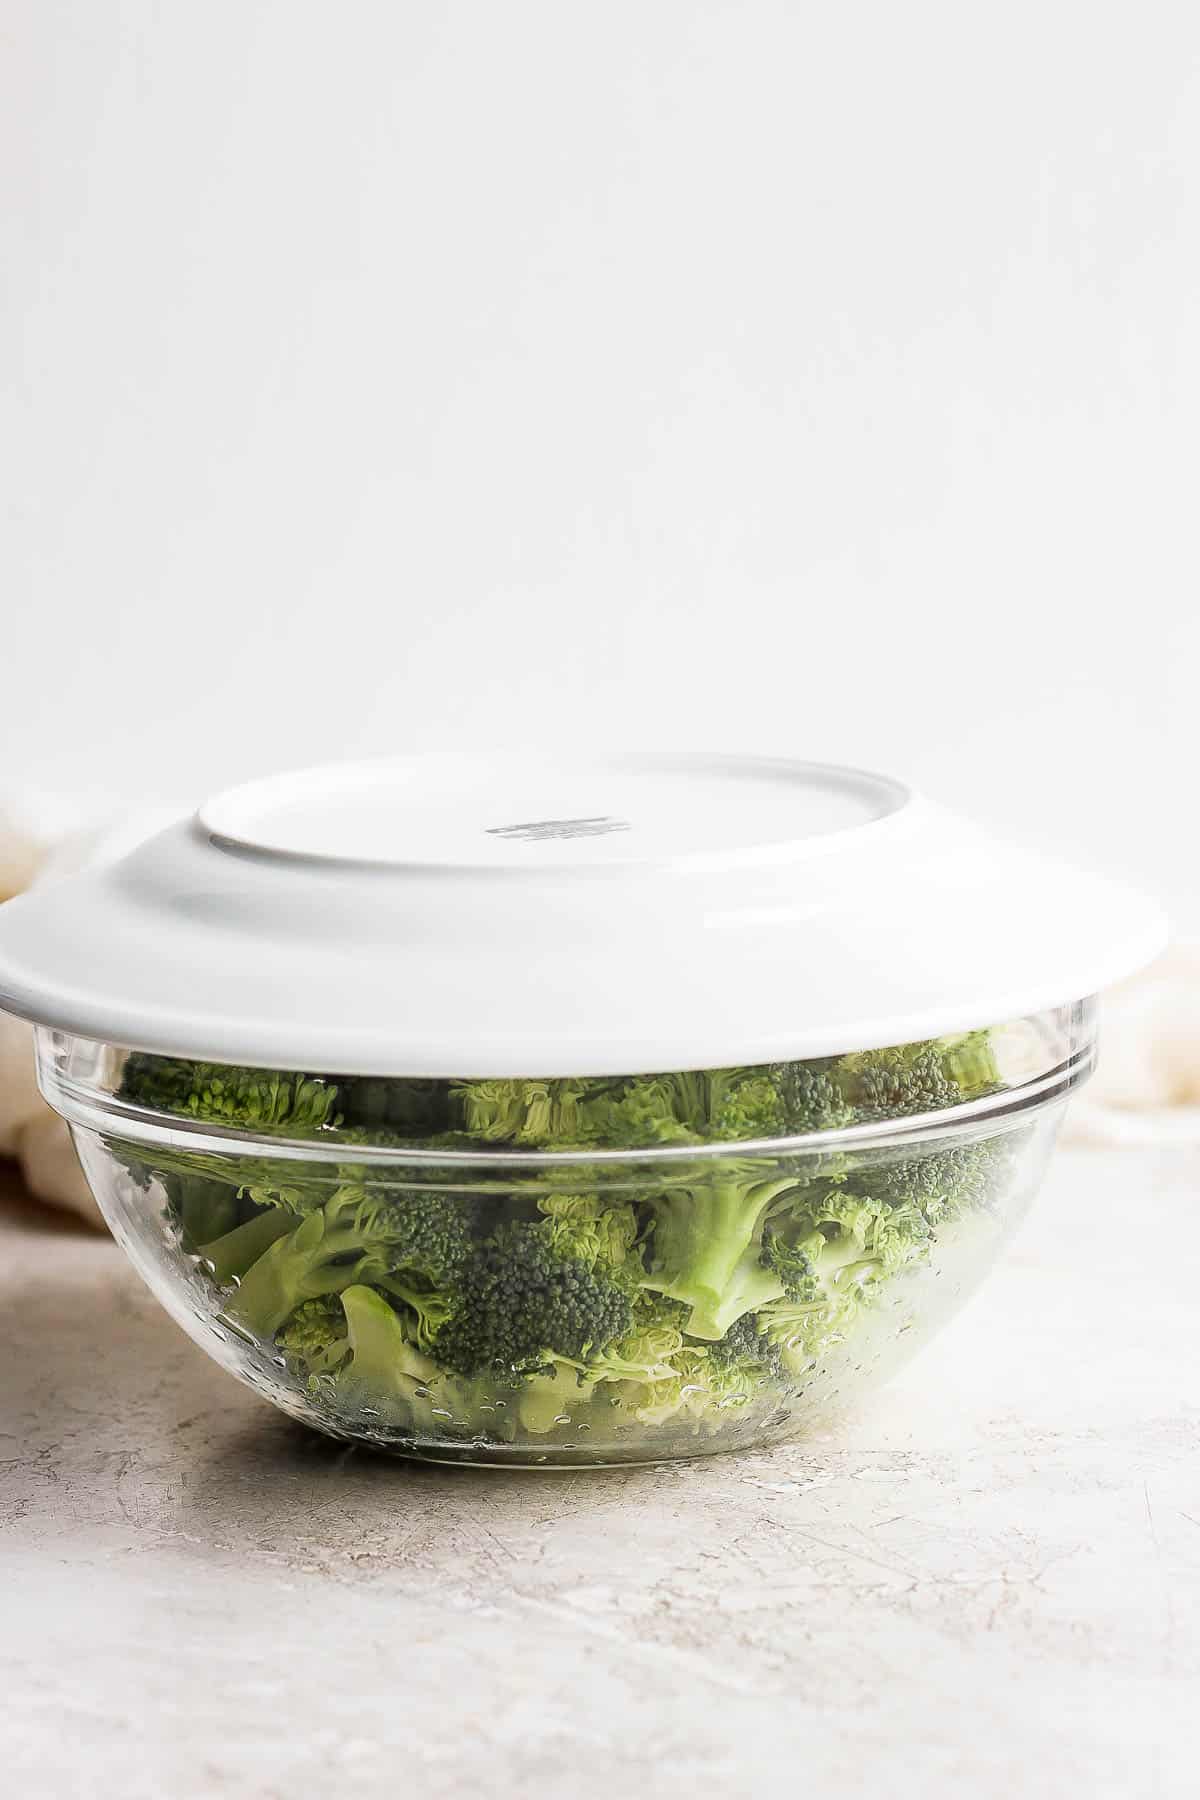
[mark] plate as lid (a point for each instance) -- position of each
(514, 914)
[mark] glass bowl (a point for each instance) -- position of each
(569, 1272)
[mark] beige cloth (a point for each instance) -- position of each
(30, 1130)
(1146, 1089)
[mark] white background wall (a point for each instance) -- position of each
(814, 378)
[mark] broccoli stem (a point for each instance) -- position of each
(384, 1370)
(230, 1256)
(301, 1266)
(207, 1209)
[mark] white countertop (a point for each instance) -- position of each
(987, 1584)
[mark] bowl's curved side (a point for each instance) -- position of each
(821, 1361)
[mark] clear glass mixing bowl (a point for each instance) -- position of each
(549, 1273)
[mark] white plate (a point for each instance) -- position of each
(463, 914)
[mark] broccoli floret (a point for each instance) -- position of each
(229, 1257)
(916, 1078)
(430, 1232)
(707, 1382)
(832, 1254)
(357, 1235)
(553, 1393)
(328, 1251)
(653, 1109)
(942, 1184)
(249, 1099)
(715, 1105)
(795, 1267)
(596, 1232)
(542, 1114)
(888, 1084)
(688, 1389)
(356, 1357)
(724, 1105)
(521, 1301)
(626, 1113)
(315, 1338)
(748, 1353)
(810, 1098)
(383, 1365)
(700, 1106)
(435, 1245)
(654, 1374)
(705, 1250)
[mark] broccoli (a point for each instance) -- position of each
(941, 1184)
(383, 1365)
(705, 1250)
(810, 1098)
(249, 1099)
(535, 1113)
(717, 1105)
(832, 1256)
(619, 1112)
(555, 1392)
(668, 1293)
(591, 1230)
(656, 1373)
(747, 1347)
(522, 1299)
(916, 1078)
(205, 1208)
(628, 1113)
(360, 1365)
(727, 1105)
(315, 1338)
(357, 1234)
(229, 1257)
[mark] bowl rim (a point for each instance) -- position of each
(86, 1108)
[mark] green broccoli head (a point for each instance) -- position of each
(522, 1301)
(943, 1183)
(315, 1339)
(916, 1078)
(539, 1114)
(599, 1233)
(248, 1099)
(833, 1252)
(888, 1084)
(810, 1098)
(611, 1112)
(727, 1105)
(746, 1354)
(714, 1105)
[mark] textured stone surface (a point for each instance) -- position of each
(987, 1583)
